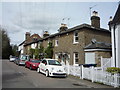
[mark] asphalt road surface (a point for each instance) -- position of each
(14, 76)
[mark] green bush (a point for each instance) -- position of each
(113, 70)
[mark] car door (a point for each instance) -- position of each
(43, 66)
(28, 63)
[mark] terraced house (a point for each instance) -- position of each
(29, 42)
(82, 44)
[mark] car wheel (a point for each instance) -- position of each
(47, 73)
(25, 66)
(38, 70)
(30, 67)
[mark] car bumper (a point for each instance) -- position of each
(11, 60)
(21, 63)
(57, 74)
(34, 67)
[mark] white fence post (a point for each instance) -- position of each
(68, 66)
(81, 72)
(92, 73)
(115, 80)
(102, 63)
(82, 75)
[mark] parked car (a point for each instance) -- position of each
(51, 67)
(23, 59)
(32, 63)
(12, 58)
(16, 60)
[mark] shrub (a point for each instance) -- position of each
(113, 70)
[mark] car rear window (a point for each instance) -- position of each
(35, 61)
(13, 57)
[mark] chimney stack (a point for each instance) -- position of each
(63, 27)
(45, 34)
(95, 20)
(109, 23)
(27, 35)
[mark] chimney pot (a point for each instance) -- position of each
(63, 27)
(45, 34)
(27, 35)
(95, 13)
(95, 20)
(109, 23)
(110, 19)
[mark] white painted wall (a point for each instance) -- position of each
(117, 41)
(113, 51)
(20, 48)
(118, 46)
(33, 46)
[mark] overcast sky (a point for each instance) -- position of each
(34, 17)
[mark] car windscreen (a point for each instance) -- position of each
(35, 61)
(13, 57)
(25, 58)
(54, 62)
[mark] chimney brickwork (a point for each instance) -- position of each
(95, 20)
(27, 35)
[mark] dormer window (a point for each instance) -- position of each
(75, 37)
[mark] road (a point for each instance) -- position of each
(14, 76)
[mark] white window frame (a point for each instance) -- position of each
(76, 64)
(56, 43)
(56, 56)
(74, 38)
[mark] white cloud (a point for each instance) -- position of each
(18, 25)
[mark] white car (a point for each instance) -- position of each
(51, 67)
(12, 58)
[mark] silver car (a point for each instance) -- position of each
(23, 59)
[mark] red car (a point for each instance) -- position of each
(32, 64)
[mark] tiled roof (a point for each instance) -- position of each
(98, 45)
(21, 43)
(78, 28)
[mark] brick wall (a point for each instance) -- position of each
(65, 43)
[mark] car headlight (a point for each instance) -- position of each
(34, 65)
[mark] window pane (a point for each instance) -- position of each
(76, 38)
(76, 55)
(76, 34)
(76, 61)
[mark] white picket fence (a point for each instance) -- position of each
(106, 62)
(73, 70)
(95, 74)
(98, 75)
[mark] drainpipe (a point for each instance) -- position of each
(114, 42)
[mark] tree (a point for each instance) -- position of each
(41, 51)
(36, 53)
(14, 50)
(49, 51)
(6, 48)
(32, 51)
